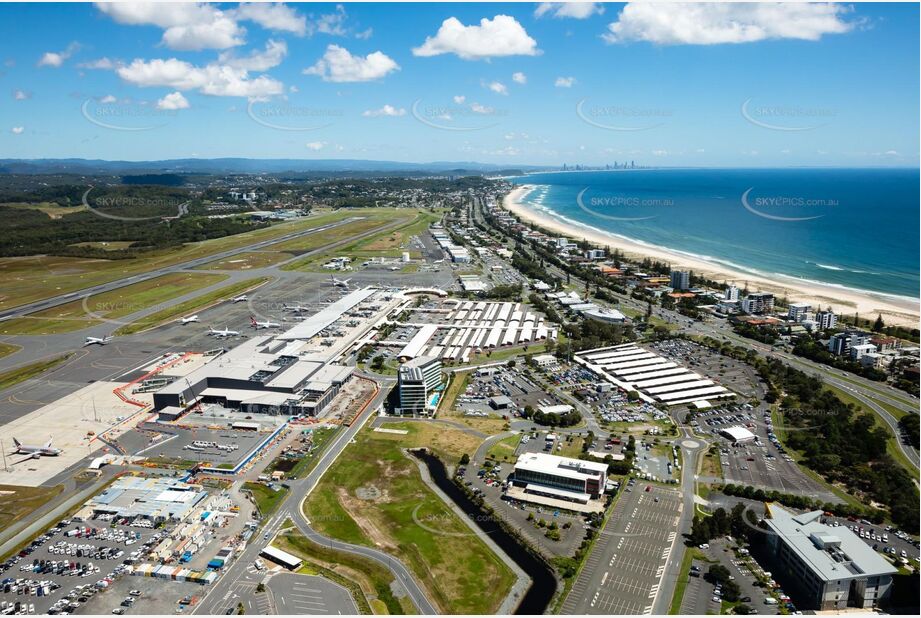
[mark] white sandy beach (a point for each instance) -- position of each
(867, 304)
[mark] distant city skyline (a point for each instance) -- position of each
(721, 85)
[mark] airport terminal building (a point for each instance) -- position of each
(262, 375)
(827, 568)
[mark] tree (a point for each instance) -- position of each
(465, 459)
(879, 325)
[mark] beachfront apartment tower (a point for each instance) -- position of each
(826, 319)
(758, 303)
(680, 280)
(797, 312)
(418, 379)
(732, 294)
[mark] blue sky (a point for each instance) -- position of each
(701, 85)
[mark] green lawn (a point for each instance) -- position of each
(397, 512)
(190, 306)
(26, 372)
(267, 499)
(112, 305)
(504, 449)
(27, 279)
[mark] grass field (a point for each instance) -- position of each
(190, 306)
(80, 314)
(8, 348)
(27, 279)
(446, 408)
(389, 243)
(49, 208)
(248, 261)
(374, 495)
(267, 499)
(17, 502)
(367, 581)
(26, 372)
(504, 449)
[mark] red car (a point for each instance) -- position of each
(649, 488)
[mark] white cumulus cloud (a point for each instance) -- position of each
(459, 99)
(500, 36)
(497, 87)
(56, 59)
(315, 146)
(386, 110)
(717, 23)
(103, 64)
(274, 53)
(339, 65)
(186, 26)
(108, 99)
(574, 10)
(273, 16)
(519, 78)
(564, 82)
(17, 130)
(213, 79)
(173, 101)
(21, 95)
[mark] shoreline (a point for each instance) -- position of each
(895, 311)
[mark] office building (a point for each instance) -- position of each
(419, 379)
(680, 280)
(562, 478)
(823, 567)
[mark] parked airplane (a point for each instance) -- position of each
(191, 318)
(296, 308)
(257, 325)
(340, 283)
(36, 451)
(97, 340)
(239, 299)
(226, 332)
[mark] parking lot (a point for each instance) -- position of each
(502, 382)
(729, 372)
(762, 463)
(623, 574)
(305, 594)
(62, 570)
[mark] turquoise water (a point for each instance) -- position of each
(854, 228)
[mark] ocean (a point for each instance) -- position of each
(851, 228)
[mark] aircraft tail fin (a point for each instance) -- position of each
(17, 442)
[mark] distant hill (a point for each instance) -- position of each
(247, 166)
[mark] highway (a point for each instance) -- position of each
(238, 573)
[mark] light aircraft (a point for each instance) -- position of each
(191, 318)
(296, 308)
(226, 332)
(239, 299)
(340, 283)
(257, 325)
(97, 340)
(35, 452)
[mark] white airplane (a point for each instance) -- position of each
(239, 299)
(296, 308)
(340, 283)
(257, 325)
(226, 332)
(35, 452)
(191, 318)
(97, 340)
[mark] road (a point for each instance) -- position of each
(238, 574)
